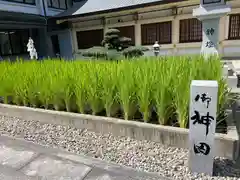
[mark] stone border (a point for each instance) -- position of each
(227, 145)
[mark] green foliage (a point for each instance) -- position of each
(114, 47)
(96, 52)
(134, 51)
(114, 41)
(118, 88)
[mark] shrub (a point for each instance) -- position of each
(127, 89)
(134, 51)
(95, 52)
(112, 48)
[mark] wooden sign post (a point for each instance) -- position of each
(202, 125)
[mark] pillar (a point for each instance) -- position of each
(175, 34)
(138, 34)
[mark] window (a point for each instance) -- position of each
(161, 32)
(58, 4)
(127, 31)
(13, 42)
(5, 47)
(234, 26)
(190, 30)
(23, 1)
(87, 39)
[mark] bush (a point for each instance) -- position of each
(112, 48)
(96, 52)
(134, 51)
(127, 89)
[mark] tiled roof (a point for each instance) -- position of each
(88, 7)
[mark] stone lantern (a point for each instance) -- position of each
(210, 12)
(156, 48)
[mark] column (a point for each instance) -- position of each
(222, 29)
(175, 34)
(44, 43)
(74, 41)
(138, 35)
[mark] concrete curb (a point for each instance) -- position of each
(227, 145)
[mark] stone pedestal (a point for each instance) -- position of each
(210, 16)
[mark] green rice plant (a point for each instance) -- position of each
(163, 90)
(109, 89)
(22, 82)
(57, 85)
(45, 87)
(94, 86)
(126, 87)
(33, 79)
(144, 76)
(162, 83)
(184, 73)
(68, 85)
(81, 84)
(7, 77)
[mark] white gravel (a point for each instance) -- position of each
(142, 155)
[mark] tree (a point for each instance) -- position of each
(114, 47)
(113, 41)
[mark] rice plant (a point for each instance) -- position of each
(127, 89)
(146, 84)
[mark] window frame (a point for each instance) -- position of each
(190, 30)
(51, 5)
(157, 26)
(230, 28)
(23, 2)
(11, 44)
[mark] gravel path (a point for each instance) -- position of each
(142, 155)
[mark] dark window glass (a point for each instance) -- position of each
(55, 4)
(23, 1)
(59, 4)
(30, 1)
(62, 4)
(5, 46)
(49, 2)
(161, 32)
(234, 26)
(15, 38)
(127, 31)
(13, 42)
(87, 39)
(190, 30)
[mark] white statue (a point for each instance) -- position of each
(31, 49)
